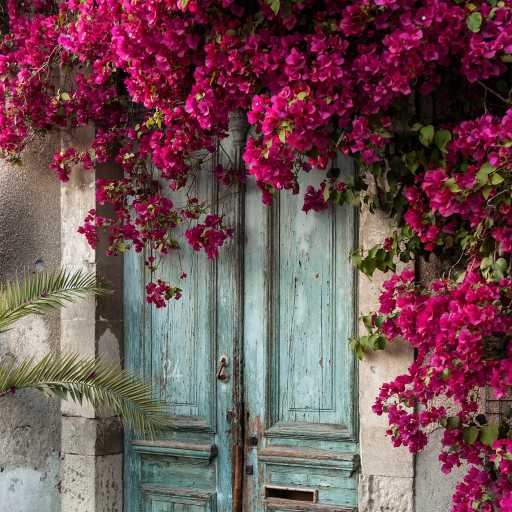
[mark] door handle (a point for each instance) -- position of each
(221, 372)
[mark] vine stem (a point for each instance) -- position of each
(493, 92)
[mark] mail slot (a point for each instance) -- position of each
(291, 493)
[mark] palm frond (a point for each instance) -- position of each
(106, 387)
(42, 292)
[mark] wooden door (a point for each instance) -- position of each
(179, 348)
(299, 379)
(280, 432)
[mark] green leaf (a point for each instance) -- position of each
(184, 3)
(442, 138)
(460, 277)
(482, 176)
(501, 264)
(474, 22)
(452, 185)
(282, 136)
(106, 387)
(356, 259)
(497, 179)
(489, 434)
(486, 262)
(445, 374)
(486, 192)
(302, 95)
(43, 292)
(427, 135)
(452, 422)
(411, 161)
(367, 321)
(368, 266)
(327, 193)
(470, 434)
(275, 5)
(379, 343)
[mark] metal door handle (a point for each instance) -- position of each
(223, 364)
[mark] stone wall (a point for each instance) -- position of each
(56, 456)
(91, 468)
(30, 424)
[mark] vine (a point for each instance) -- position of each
(418, 93)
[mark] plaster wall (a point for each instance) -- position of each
(29, 422)
(386, 482)
(391, 479)
(433, 489)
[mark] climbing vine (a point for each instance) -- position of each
(418, 93)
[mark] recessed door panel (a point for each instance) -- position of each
(183, 339)
(308, 266)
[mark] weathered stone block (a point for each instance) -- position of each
(385, 494)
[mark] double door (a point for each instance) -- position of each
(253, 362)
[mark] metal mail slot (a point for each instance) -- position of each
(291, 493)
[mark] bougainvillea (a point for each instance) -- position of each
(418, 93)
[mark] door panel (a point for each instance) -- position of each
(183, 344)
(299, 374)
(191, 466)
(157, 500)
(307, 273)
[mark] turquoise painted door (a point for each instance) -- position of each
(300, 424)
(277, 430)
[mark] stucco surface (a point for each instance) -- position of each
(29, 422)
(378, 457)
(433, 489)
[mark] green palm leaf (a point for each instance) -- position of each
(105, 387)
(43, 292)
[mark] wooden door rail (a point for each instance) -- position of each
(176, 449)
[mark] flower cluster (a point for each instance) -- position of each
(209, 236)
(461, 333)
(160, 293)
(471, 191)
